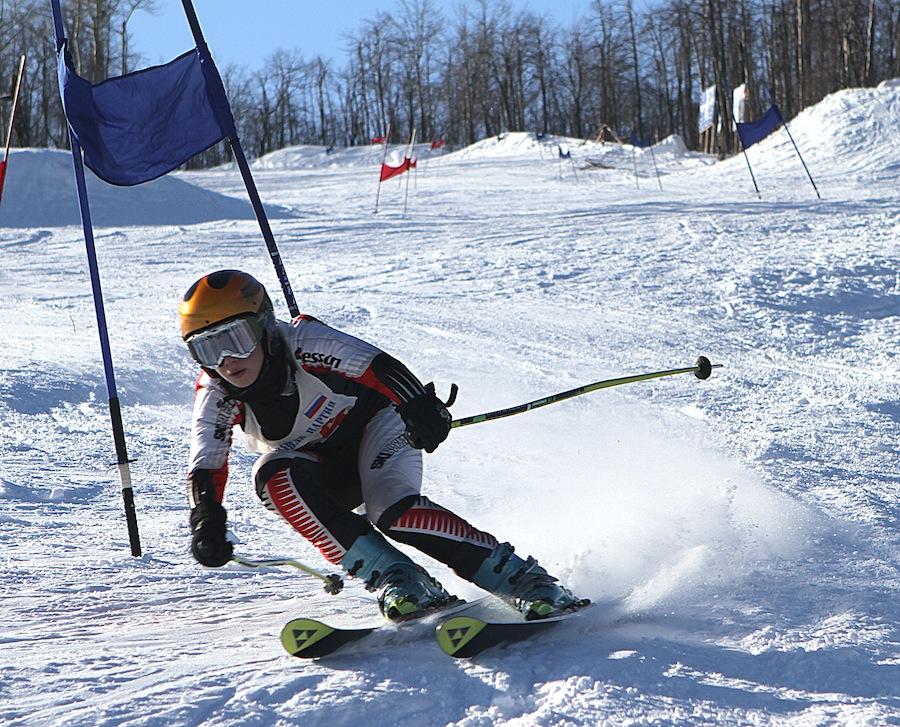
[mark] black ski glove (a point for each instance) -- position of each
(427, 420)
(208, 544)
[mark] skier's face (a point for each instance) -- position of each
(241, 372)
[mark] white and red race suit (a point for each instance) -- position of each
(322, 416)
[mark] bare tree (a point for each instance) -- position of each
(418, 34)
(490, 68)
(126, 11)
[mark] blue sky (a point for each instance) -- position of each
(245, 32)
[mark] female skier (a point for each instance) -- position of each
(338, 424)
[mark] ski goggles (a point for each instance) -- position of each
(237, 338)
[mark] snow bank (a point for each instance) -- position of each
(40, 192)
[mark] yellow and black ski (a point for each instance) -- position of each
(309, 639)
(466, 636)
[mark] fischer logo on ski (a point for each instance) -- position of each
(308, 639)
(466, 636)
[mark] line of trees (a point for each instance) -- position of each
(489, 67)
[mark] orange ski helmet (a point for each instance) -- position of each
(219, 299)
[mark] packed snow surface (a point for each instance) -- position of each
(738, 535)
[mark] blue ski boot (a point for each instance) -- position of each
(405, 590)
(525, 585)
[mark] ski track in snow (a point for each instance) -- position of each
(737, 535)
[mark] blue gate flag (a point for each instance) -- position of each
(142, 125)
(639, 142)
(754, 131)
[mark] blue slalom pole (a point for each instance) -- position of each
(796, 149)
(791, 137)
(214, 84)
(115, 411)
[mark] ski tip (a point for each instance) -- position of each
(300, 636)
(307, 638)
(454, 635)
(466, 636)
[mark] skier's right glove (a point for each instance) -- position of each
(209, 545)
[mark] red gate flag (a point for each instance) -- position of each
(388, 171)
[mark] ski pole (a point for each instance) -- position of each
(333, 583)
(701, 369)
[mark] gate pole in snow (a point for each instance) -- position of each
(747, 159)
(800, 157)
(115, 412)
(241, 160)
(387, 136)
(12, 120)
(412, 145)
(791, 137)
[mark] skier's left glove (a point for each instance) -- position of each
(427, 420)
(209, 545)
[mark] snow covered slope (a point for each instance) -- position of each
(738, 534)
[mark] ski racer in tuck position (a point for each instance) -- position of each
(338, 424)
